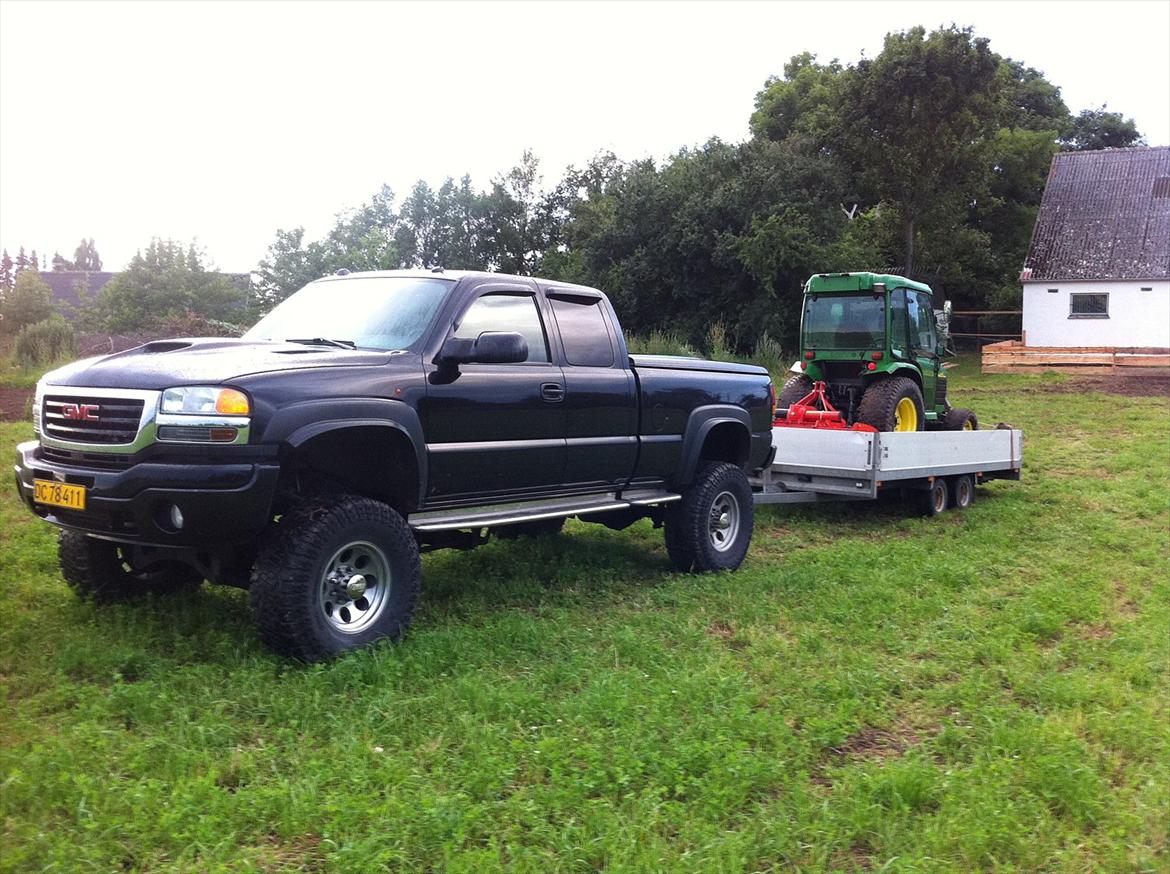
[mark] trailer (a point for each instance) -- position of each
(814, 465)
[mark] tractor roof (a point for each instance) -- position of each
(821, 283)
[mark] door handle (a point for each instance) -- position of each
(553, 392)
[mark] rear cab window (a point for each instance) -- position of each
(584, 329)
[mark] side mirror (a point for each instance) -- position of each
(490, 347)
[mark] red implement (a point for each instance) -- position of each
(806, 414)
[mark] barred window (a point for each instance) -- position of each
(1088, 306)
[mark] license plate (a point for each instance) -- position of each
(59, 494)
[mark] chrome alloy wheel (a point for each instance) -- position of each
(723, 521)
(355, 587)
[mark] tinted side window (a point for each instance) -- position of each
(506, 312)
(583, 332)
(899, 338)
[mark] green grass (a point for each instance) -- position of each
(872, 690)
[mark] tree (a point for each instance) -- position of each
(29, 301)
(60, 264)
(22, 261)
(166, 281)
(85, 256)
(1102, 129)
(804, 101)
(7, 272)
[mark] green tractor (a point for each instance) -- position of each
(875, 342)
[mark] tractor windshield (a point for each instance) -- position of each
(844, 321)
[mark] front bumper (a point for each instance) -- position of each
(221, 502)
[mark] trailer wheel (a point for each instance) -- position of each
(99, 571)
(339, 572)
(893, 404)
(962, 491)
(960, 419)
(711, 527)
(936, 498)
(797, 387)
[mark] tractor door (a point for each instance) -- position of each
(924, 344)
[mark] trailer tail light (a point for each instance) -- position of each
(871, 366)
(877, 356)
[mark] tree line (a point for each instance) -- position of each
(927, 160)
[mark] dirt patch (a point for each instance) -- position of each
(14, 404)
(725, 631)
(1154, 384)
(877, 743)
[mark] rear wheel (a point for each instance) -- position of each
(936, 498)
(339, 572)
(100, 571)
(797, 387)
(962, 491)
(711, 527)
(893, 404)
(960, 419)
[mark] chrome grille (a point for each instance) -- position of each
(110, 420)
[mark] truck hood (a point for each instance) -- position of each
(168, 363)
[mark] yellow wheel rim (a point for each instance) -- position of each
(967, 426)
(906, 416)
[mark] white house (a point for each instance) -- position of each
(1098, 269)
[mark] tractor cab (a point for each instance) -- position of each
(874, 341)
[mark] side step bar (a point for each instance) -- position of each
(534, 511)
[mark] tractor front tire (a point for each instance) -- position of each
(99, 571)
(339, 572)
(711, 527)
(796, 388)
(960, 419)
(893, 404)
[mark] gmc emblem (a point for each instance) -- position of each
(80, 412)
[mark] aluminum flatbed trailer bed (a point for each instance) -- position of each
(813, 464)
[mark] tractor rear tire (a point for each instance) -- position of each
(797, 387)
(886, 405)
(960, 419)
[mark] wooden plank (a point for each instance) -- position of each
(1120, 350)
(1015, 368)
(1040, 360)
(1142, 361)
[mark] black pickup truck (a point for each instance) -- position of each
(372, 416)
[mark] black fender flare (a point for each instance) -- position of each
(699, 425)
(297, 424)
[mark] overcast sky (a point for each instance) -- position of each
(225, 121)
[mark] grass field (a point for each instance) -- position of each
(873, 690)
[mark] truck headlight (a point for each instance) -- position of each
(38, 402)
(201, 400)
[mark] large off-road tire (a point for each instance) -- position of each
(100, 571)
(711, 527)
(893, 404)
(797, 387)
(337, 573)
(960, 419)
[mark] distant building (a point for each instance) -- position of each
(1098, 269)
(68, 286)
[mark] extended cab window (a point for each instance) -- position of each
(506, 312)
(584, 333)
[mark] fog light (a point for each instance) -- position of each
(176, 517)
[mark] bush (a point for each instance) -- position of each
(45, 342)
(660, 343)
(29, 301)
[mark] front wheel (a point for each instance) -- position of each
(711, 527)
(960, 419)
(100, 571)
(338, 573)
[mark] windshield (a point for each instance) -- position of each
(844, 321)
(374, 312)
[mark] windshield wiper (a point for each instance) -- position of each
(323, 341)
